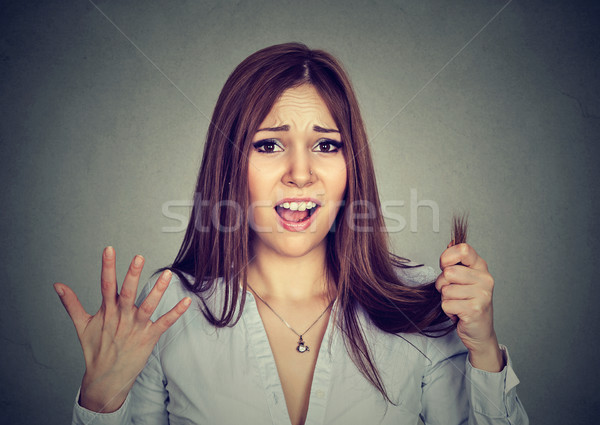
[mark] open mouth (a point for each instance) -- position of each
(296, 212)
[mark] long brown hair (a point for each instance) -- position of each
(359, 262)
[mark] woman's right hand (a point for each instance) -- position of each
(119, 338)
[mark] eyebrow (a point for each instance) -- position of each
(286, 127)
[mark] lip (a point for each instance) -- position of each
(293, 226)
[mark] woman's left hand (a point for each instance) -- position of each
(467, 287)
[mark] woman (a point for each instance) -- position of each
(299, 313)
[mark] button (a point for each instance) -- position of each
(320, 393)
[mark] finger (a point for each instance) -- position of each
(130, 284)
(456, 274)
(74, 308)
(454, 307)
(149, 304)
(440, 282)
(169, 318)
(462, 275)
(108, 279)
(462, 253)
(459, 292)
(467, 310)
(453, 317)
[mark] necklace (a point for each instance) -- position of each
(302, 347)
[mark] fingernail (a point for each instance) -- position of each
(109, 251)
(59, 290)
(138, 260)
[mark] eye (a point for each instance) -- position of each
(328, 146)
(267, 146)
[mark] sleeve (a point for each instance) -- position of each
(83, 416)
(493, 396)
(454, 392)
(147, 401)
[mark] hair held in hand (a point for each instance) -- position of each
(459, 229)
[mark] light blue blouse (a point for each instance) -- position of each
(198, 374)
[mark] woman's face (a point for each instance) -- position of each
(296, 174)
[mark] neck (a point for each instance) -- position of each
(289, 279)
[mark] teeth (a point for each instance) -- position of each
(299, 206)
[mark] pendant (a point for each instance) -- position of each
(301, 348)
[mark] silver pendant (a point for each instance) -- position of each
(301, 348)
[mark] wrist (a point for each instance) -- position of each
(100, 398)
(488, 356)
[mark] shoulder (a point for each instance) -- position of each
(176, 291)
(436, 349)
(415, 274)
(447, 347)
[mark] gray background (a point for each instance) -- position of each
(500, 120)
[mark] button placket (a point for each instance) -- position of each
(265, 362)
(317, 405)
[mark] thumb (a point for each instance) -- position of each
(74, 308)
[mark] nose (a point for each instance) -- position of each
(299, 172)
